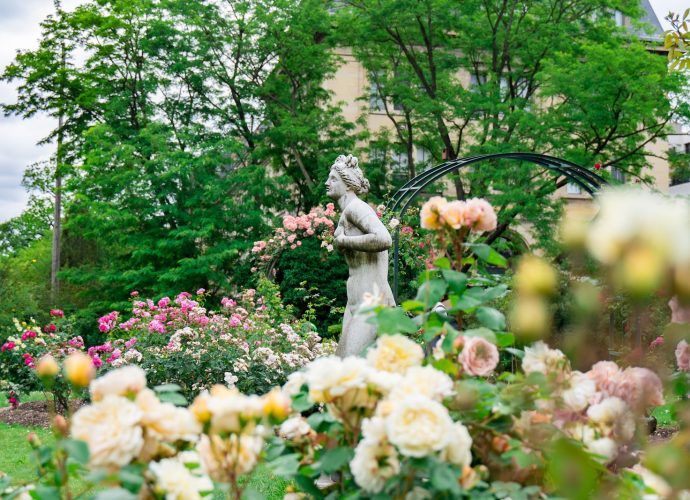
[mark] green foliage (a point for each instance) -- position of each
(304, 284)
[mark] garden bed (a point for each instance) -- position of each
(32, 413)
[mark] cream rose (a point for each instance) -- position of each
(331, 377)
(539, 358)
(126, 381)
(395, 353)
(418, 426)
(613, 417)
(478, 356)
(459, 448)
(220, 457)
(373, 464)
(580, 392)
(111, 429)
(175, 481)
(165, 421)
(424, 381)
(294, 428)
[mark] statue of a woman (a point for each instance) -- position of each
(364, 241)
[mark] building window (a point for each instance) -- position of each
(618, 18)
(618, 175)
(399, 164)
(422, 158)
(687, 148)
(375, 99)
(476, 80)
(573, 188)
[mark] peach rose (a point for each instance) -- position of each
(479, 356)
(453, 214)
(430, 213)
(480, 215)
(683, 356)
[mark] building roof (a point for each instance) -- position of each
(650, 18)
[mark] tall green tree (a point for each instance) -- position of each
(484, 76)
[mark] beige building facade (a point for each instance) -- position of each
(351, 87)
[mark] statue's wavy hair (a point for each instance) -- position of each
(349, 171)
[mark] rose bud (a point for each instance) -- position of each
(79, 369)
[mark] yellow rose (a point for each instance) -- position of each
(79, 369)
(430, 213)
(535, 276)
(530, 318)
(47, 367)
(276, 404)
(395, 353)
(453, 213)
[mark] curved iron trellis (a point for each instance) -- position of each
(401, 200)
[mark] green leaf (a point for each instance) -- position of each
(431, 292)
(335, 459)
(464, 303)
(131, 478)
(442, 263)
(445, 478)
(168, 388)
(173, 397)
(77, 450)
(457, 281)
(491, 318)
(301, 402)
(446, 366)
(393, 320)
(505, 339)
(115, 494)
(413, 306)
(285, 466)
(307, 485)
(42, 492)
(488, 254)
(485, 333)
(251, 494)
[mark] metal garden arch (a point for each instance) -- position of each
(403, 197)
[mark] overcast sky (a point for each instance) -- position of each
(20, 29)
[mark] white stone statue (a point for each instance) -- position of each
(364, 240)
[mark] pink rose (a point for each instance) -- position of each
(683, 356)
(58, 313)
(639, 388)
(657, 342)
(480, 215)
(605, 374)
(478, 356)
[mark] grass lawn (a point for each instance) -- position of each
(15, 460)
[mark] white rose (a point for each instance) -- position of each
(419, 426)
(230, 410)
(230, 379)
(373, 464)
(165, 421)
(331, 377)
(424, 381)
(613, 416)
(238, 454)
(125, 381)
(110, 428)
(580, 392)
(394, 223)
(294, 383)
(459, 449)
(374, 429)
(294, 428)
(177, 482)
(539, 358)
(395, 353)
(605, 447)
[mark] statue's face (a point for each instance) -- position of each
(335, 187)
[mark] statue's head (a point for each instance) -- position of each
(346, 176)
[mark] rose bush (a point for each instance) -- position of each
(427, 412)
